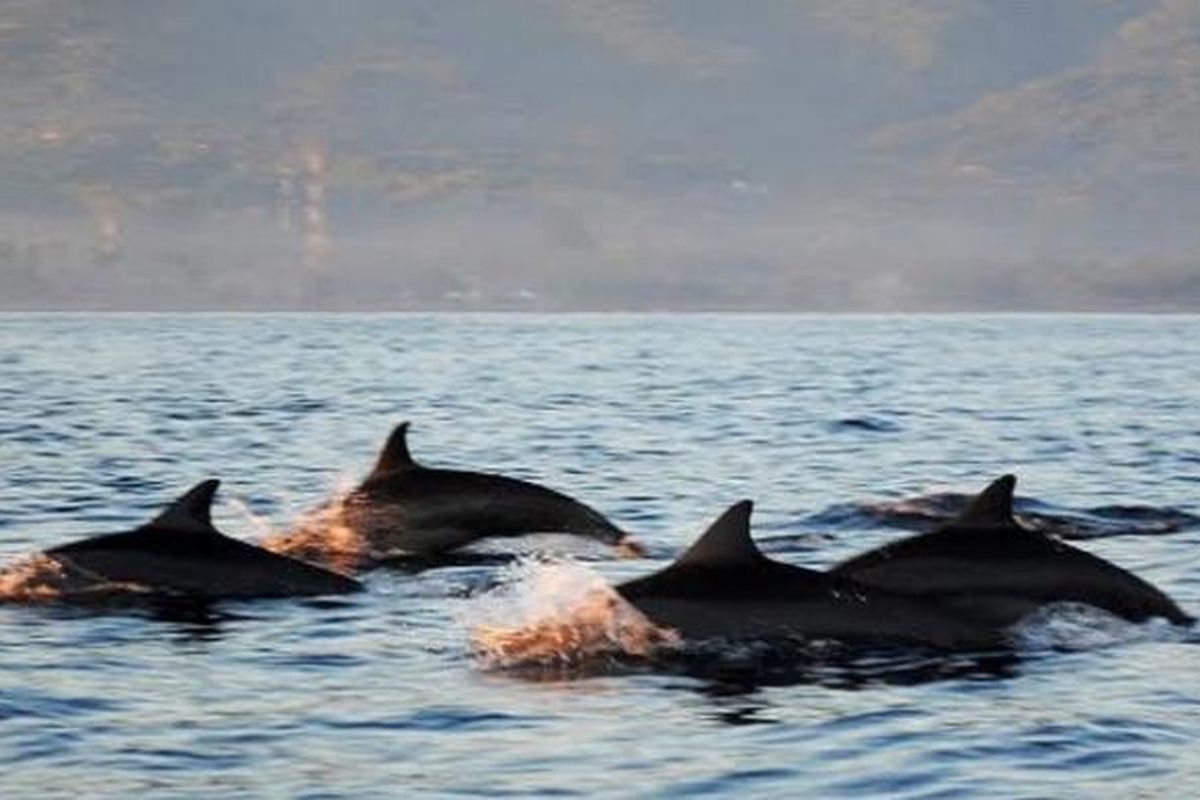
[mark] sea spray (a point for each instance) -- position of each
(261, 524)
(557, 613)
(322, 535)
(34, 579)
(40, 578)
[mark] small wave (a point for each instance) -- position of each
(1103, 521)
(1078, 626)
(926, 512)
(1160, 520)
(557, 614)
(870, 424)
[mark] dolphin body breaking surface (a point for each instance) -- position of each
(180, 553)
(724, 587)
(405, 507)
(984, 564)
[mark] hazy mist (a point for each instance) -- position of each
(600, 154)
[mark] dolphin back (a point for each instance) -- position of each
(985, 564)
(179, 552)
(403, 505)
(470, 505)
(724, 587)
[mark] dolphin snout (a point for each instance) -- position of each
(625, 545)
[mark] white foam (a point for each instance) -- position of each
(1078, 626)
(557, 612)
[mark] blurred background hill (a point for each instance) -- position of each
(600, 154)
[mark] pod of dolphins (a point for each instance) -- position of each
(961, 586)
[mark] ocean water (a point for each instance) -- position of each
(660, 421)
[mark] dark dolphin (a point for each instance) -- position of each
(724, 587)
(180, 553)
(406, 507)
(987, 565)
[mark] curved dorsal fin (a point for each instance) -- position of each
(993, 506)
(395, 456)
(191, 510)
(727, 541)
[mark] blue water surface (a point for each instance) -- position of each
(660, 421)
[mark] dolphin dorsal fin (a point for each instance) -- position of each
(193, 509)
(727, 541)
(992, 507)
(395, 456)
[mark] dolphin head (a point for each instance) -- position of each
(534, 508)
(593, 524)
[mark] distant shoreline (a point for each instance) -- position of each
(616, 312)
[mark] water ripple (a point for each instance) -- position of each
(845, 430)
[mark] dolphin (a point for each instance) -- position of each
(403, 506)
(986, 565)
(180, 553)
(724, 587)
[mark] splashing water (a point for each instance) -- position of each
(39, 578)
(323, 536)
(33, 579)
(557, 613)
(262, 525)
